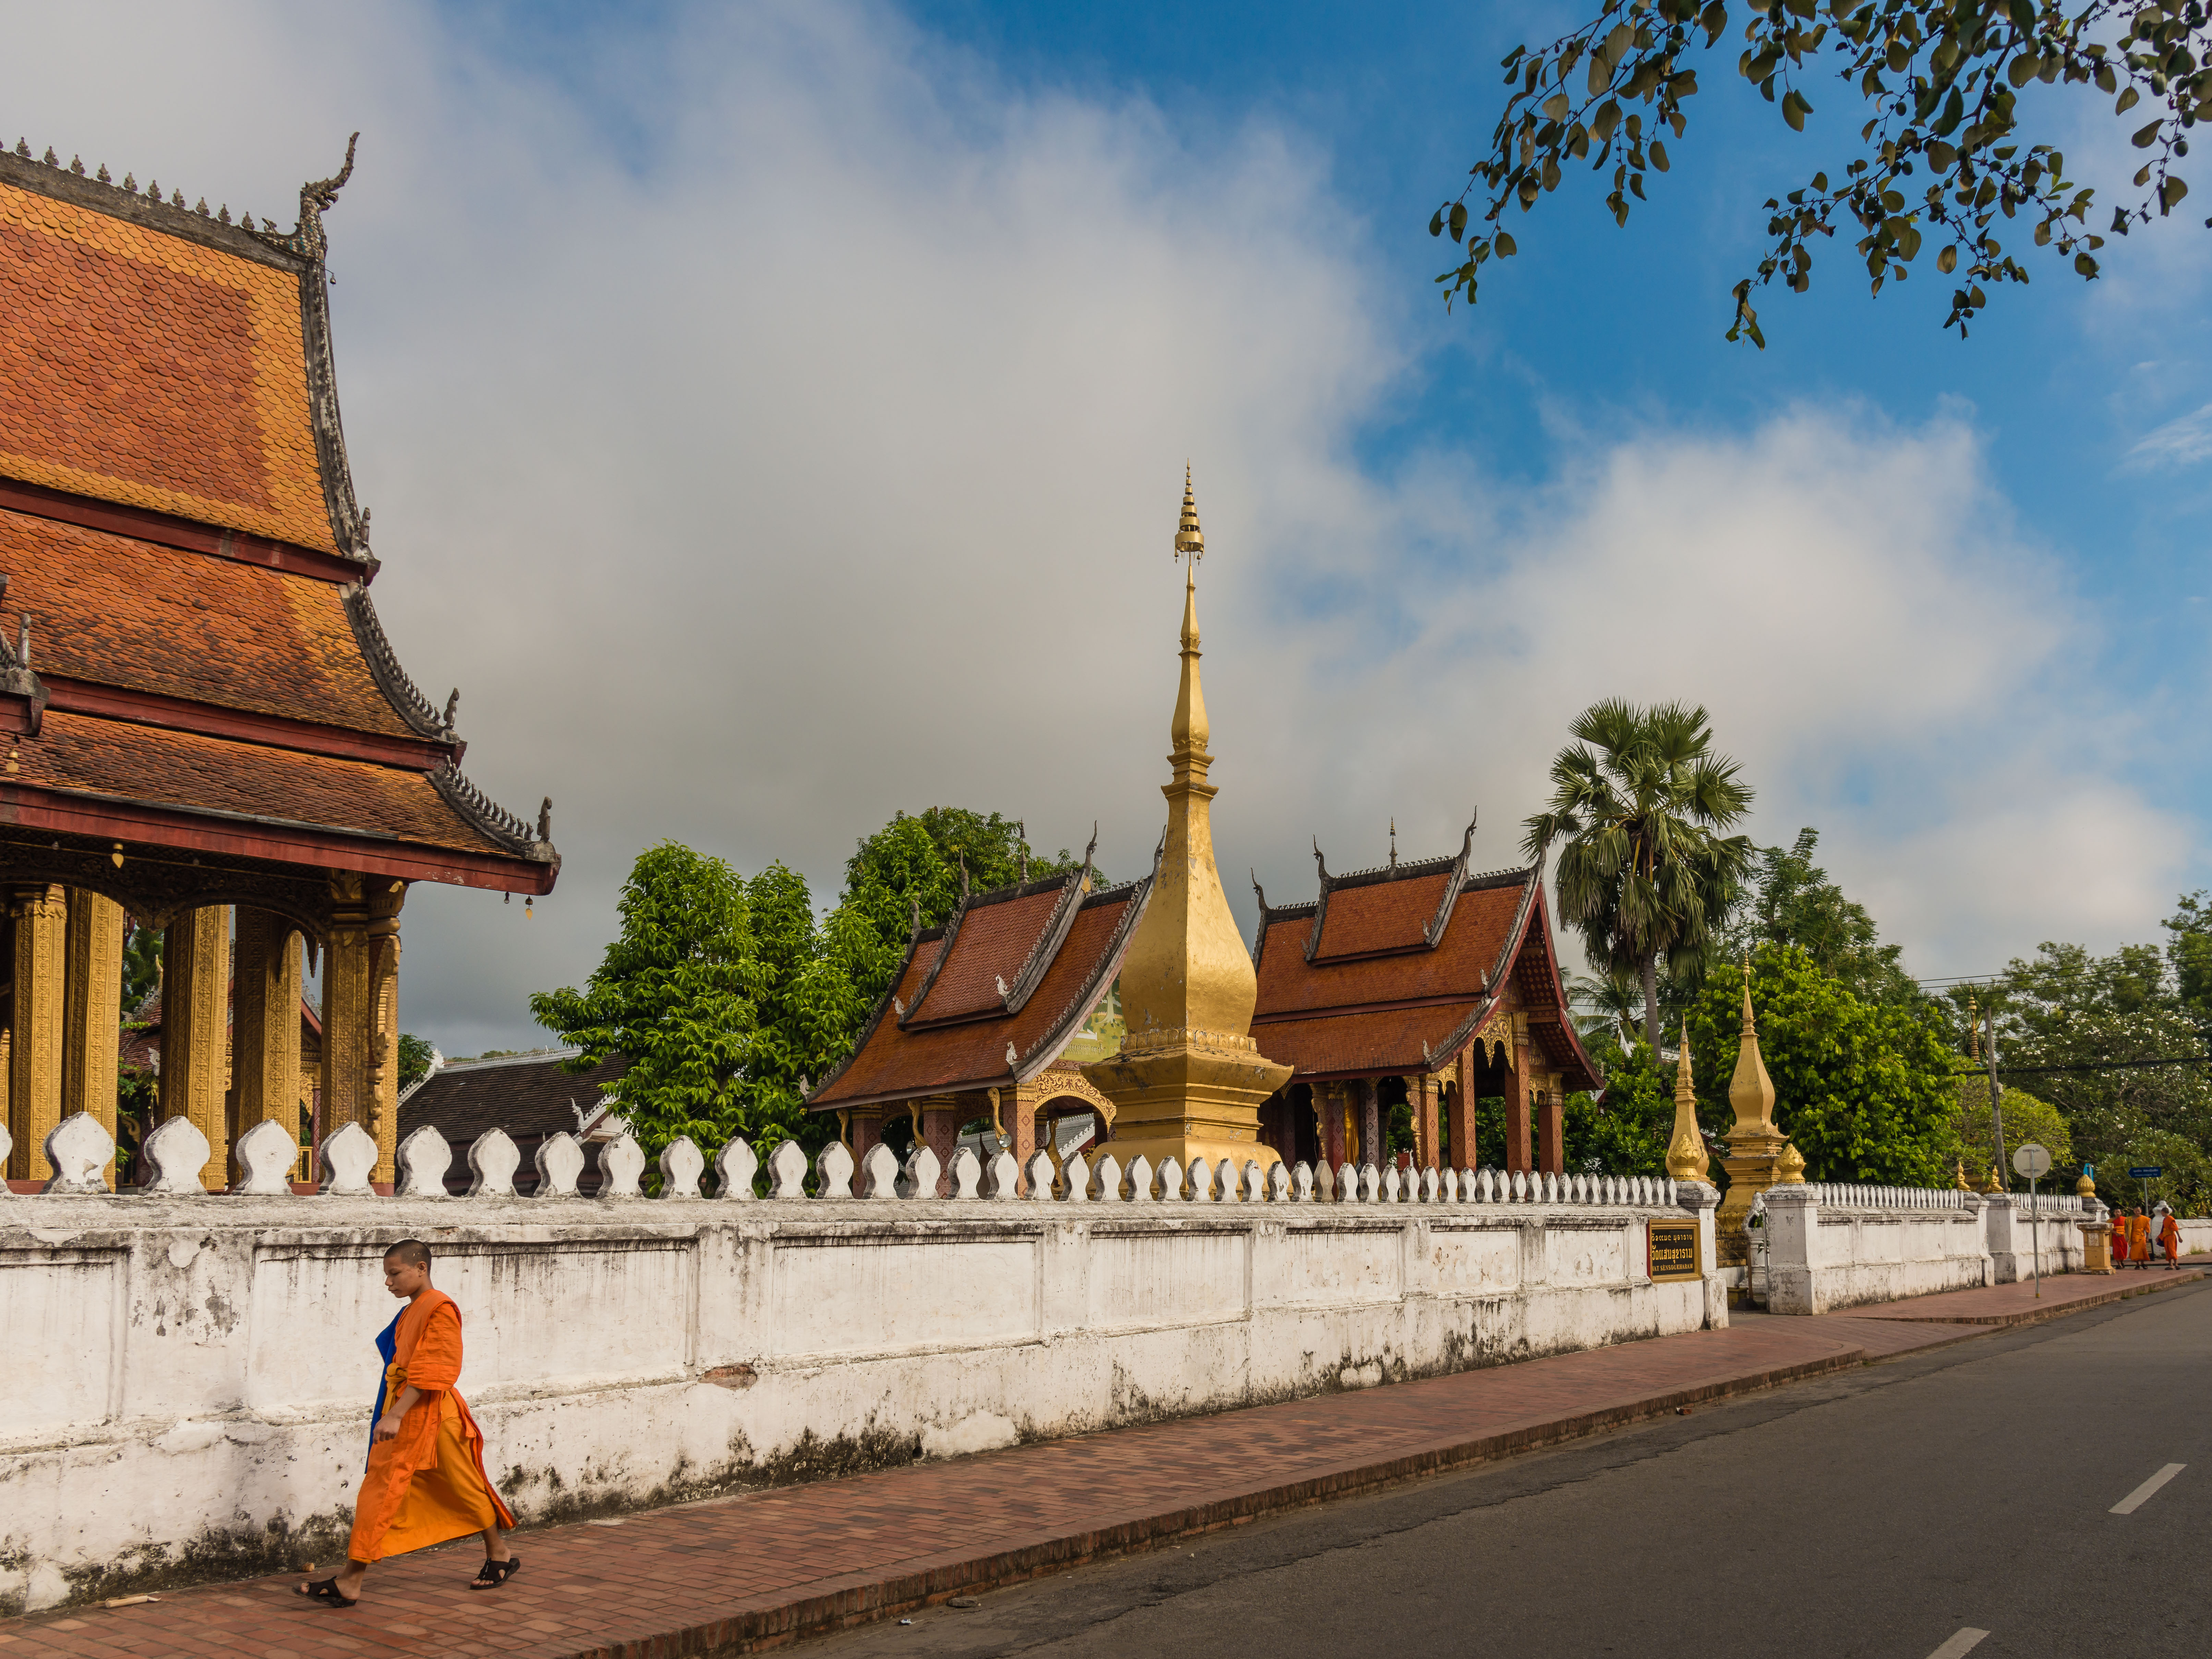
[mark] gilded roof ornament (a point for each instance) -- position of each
(1190, 539)
(1686, 1153)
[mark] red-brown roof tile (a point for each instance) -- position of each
(1385, 915)
(895, 1063)
(187, 771)
(1384, 1040)
(148, 369)
(992, 943)
(1480, 923)
(124, 612)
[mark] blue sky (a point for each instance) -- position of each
(774, 416)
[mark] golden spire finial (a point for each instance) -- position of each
(1751, 1092)
(1190, 731)
(1973, 1029)
(1686, 1153)
(1190, 539)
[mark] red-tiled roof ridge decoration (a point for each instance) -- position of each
(400, 691)
(299, 253)
(19, 686)
(493, 821)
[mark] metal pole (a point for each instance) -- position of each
(2035, 1231)
(1997, 1110)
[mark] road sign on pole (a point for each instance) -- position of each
(2147, 1172)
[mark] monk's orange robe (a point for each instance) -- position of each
(2120, 1240)
(2138, 1238)
(427, 1484)
(2169, 1234)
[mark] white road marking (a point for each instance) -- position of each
(2141, 1494)
(1960, 1644)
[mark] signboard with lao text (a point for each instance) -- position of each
(2147, 1172)
(1671, 1250)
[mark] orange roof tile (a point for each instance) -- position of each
(1384, 1040)
(190, 772)
(1480, 921)
(120, 612)
(153, 370)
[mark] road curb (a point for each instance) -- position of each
(851, 1602)
(2118, 1292)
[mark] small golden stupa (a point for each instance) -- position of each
(1189, 1081)
(1686, 1153)
(1755, 1160)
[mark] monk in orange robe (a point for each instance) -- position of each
(2169, 1236)
(2139, 1238)
(425, 1482)
(2119, 1238)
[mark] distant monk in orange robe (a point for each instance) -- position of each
(2119, 1239)
(2169, 1236)
(2139, 1238)
(425, 1482)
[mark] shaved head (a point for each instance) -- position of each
(411, 1251)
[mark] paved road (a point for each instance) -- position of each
(1892, 1513)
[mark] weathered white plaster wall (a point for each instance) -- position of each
(1829, 1246)
(190, 1375)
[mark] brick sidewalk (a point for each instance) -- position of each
(760, 1568)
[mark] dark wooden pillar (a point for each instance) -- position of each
(1551, 1127)
(1462, 1110)
(1517, 1152)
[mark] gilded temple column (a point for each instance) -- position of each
(195, 1048)
(265, 1024)
(1374, 1146)
(39, 916)
(349, 1008)
(92, 1018)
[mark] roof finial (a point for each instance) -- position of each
(545, 820)
(1393, 840)
(1190, 539)
(1973, 1027)
(1687, 1160)
(1320, 863)
(453, 706)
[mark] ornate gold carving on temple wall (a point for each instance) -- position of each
(195, 1037)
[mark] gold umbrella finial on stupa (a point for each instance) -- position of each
(1686, 1153)
(1190, 539)
(1790, 1166)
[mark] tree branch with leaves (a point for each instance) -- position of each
(1943, 156)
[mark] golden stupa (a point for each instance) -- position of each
(1189, 1081)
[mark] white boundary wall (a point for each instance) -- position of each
(1829, 1246)
(190, 1375)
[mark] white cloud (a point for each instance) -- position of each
(787, 428)
(2180, 442)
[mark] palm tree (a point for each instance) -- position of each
(1612, 1002)
(1640, 801)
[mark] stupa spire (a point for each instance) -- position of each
(1686, 1153)
(1189, 1080)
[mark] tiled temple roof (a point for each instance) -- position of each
(993, 996)
(1392, 970)
(184, 620)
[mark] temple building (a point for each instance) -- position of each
(1425, 984)
(204, 726)
(987, 1020)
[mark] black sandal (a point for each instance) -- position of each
(493, 1574)
(327, 1589)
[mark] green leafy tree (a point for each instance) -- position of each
(1971, 1143)
(414, 1059)
(1624, 1130)
(1790, 901)
(1638, 803)
(2189, 956)
(1866, 1092)
(1944, 150)
(2078, 1028)
(678, 995)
